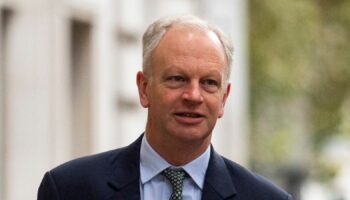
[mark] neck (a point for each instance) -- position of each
(175, 151)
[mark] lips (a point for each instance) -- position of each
(190, 115)
(189, 118)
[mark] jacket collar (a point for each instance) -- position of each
(125, 177)
(218, 183)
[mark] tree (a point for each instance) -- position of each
(300, 80)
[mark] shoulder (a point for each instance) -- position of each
(101, 163)
(64, 181)
(87, 177)
(87, 163)
(253, 184)
(88, 169)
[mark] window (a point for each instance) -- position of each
(81, 87)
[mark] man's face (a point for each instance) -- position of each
(186, 92)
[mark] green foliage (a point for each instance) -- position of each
(324, 171)
(299, 56)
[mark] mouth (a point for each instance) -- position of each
(189, 115)
(189, 118)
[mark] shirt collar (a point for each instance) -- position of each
(198, 167)
(151, 164)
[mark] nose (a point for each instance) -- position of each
(192, 93)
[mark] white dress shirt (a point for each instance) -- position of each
(154, 186)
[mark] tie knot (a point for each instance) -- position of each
(176, 178)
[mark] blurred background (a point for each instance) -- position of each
(67, 87)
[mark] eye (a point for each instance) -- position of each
(175, 81)
(210, 82)
(176, 78)
(211, 85)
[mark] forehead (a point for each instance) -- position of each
(182, 40)
(185, 34)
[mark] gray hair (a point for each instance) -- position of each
(157, 30)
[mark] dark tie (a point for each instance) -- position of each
(176, 178)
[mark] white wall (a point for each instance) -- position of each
(27, 99)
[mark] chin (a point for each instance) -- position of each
(192, 136)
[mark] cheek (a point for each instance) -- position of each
(169, 97)
(216, 106)
(163, 100)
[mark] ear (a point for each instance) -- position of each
(226, 93)
(142, 83)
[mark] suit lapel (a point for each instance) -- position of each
(218, 183)
(125, 177)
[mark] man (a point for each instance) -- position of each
(184, 86)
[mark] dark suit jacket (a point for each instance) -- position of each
(115, 175)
